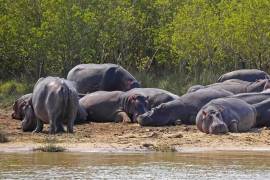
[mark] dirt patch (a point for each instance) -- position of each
(131, 137)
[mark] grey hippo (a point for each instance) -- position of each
(155, 96)
(114, 106)
(54, 101)
(107, 77)
(183, 109)
(250, 75)
(236, 86)
(224, 115)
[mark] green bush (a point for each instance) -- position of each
(12, 88)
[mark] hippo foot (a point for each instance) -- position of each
(178, 122)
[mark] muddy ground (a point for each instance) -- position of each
(119, 137)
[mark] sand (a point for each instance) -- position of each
(127, 137)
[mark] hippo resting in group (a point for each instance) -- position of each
(107, 77)
(236, 86)
(114, 106)
(54, 101)
(184, 109)
(224, 115)
(250, 75)
(155, 96)
(19, 106)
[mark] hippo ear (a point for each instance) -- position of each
(204, 114)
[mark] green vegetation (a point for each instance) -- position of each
(182, 40)
(50, 146)
(10, 90)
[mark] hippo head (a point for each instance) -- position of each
(127, 81)
(19, 107)
(210, 121)
(156, 116)
(137, 104)
(130, 84)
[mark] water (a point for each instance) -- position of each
(214, 165)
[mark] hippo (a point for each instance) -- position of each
(184, 109)
(224, 115)
(155, 96)
(53, 101)
(236, 86)
(250, 75)
(19, 106)
(253, 98)
(113, 106)
(101, 77)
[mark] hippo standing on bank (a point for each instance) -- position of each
(236, 86)
(155, 96)
(224, 115)
(107, 77)
(114, 106)
(250, 75)
(183, 109)
(54, 101)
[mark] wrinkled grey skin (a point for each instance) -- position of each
(250, 75)
(115, 106)
(54, 101)
(184, 109)
(155, 96)
(195, 88)
(224, 115)
(107, 77)
(253, 98)
(236, 86)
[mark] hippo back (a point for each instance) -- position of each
(250, 75)
(94, 77)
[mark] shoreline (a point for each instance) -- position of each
(12, 147)
(131, 138)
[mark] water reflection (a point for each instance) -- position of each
(217, 165)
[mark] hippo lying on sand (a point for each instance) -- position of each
(250, 75)
(155, 96)
(236, 86)
(115, 106)
(54, 101)
(19, 106)
(184, 109)
(224, 115)
(108, 77)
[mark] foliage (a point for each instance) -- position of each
(48, 37)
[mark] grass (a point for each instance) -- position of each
(50, 146)
(3, 137)
(11, 90)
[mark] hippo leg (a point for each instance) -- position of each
(233, 127)
(121, 117)
(70, 126)
(39, 126)
(59, 127)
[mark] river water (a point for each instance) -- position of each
(214, 165)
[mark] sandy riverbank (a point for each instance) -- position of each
(118, 137)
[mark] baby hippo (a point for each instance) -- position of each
(224, 115)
